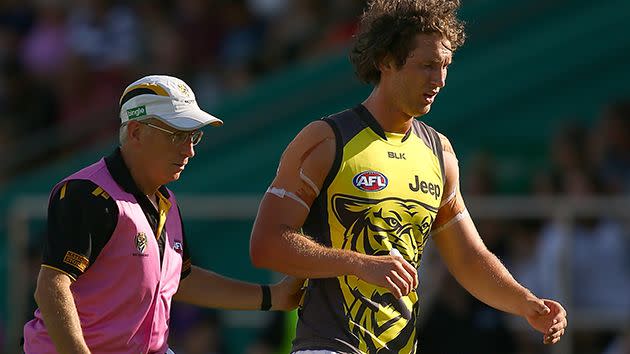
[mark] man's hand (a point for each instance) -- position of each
(286, 294)
(548, 318)
(390, 272)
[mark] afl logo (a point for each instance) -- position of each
(141, 242)
(370, 181)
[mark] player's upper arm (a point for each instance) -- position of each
(301, 173)
(302, 170)
(452, 208)
(454, 232)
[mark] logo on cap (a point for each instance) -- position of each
(136, 112)
(370, 181)
(183, 89)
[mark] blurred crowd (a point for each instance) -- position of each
(585, 160)
(63, 63)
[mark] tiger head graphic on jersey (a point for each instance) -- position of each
(374, 227)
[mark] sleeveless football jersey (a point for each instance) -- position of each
(383, 192)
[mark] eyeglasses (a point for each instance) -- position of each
(179, 138)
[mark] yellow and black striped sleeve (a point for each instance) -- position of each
(81, 220)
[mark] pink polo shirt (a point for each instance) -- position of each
(124, 298)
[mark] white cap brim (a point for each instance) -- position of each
(191, 119)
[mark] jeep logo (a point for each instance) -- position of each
(426, 188)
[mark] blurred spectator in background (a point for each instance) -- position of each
(104, 32)
(568, 152)
(27, 105)
(479, 177)
(203, 337)
(612, 152)
(195, 330)
(620, 345)
(219, 46)
(597, 254)
(16, 19)
(290, 37)
(27, 108)
(45, 46)
(479, 328)
(598, 248)
(273, 338)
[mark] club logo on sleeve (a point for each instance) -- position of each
(141, 244)
(370, 181)
(76, 260)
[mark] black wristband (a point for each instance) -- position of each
(265, 305)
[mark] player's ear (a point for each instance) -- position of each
(386, 63)
(133, 131)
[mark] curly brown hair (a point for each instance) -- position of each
(390, 27)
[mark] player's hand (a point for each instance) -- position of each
(286, 294)
(549, 318)
(391, 272)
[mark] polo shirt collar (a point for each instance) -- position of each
(121, 174)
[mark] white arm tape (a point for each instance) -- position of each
(449, 198)
(308, 181)
(458, 217)
(282, 193)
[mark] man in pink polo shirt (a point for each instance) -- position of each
(116, 253)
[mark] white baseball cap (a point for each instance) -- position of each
(166, 98)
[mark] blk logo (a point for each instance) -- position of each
(396, 155)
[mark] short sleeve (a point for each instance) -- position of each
(81, 220)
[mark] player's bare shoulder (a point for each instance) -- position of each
(306, 161)
(312, 149)
(446, 144)
(317, 135)
(452, 207)
(451, 167)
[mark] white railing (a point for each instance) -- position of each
(562, 210)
